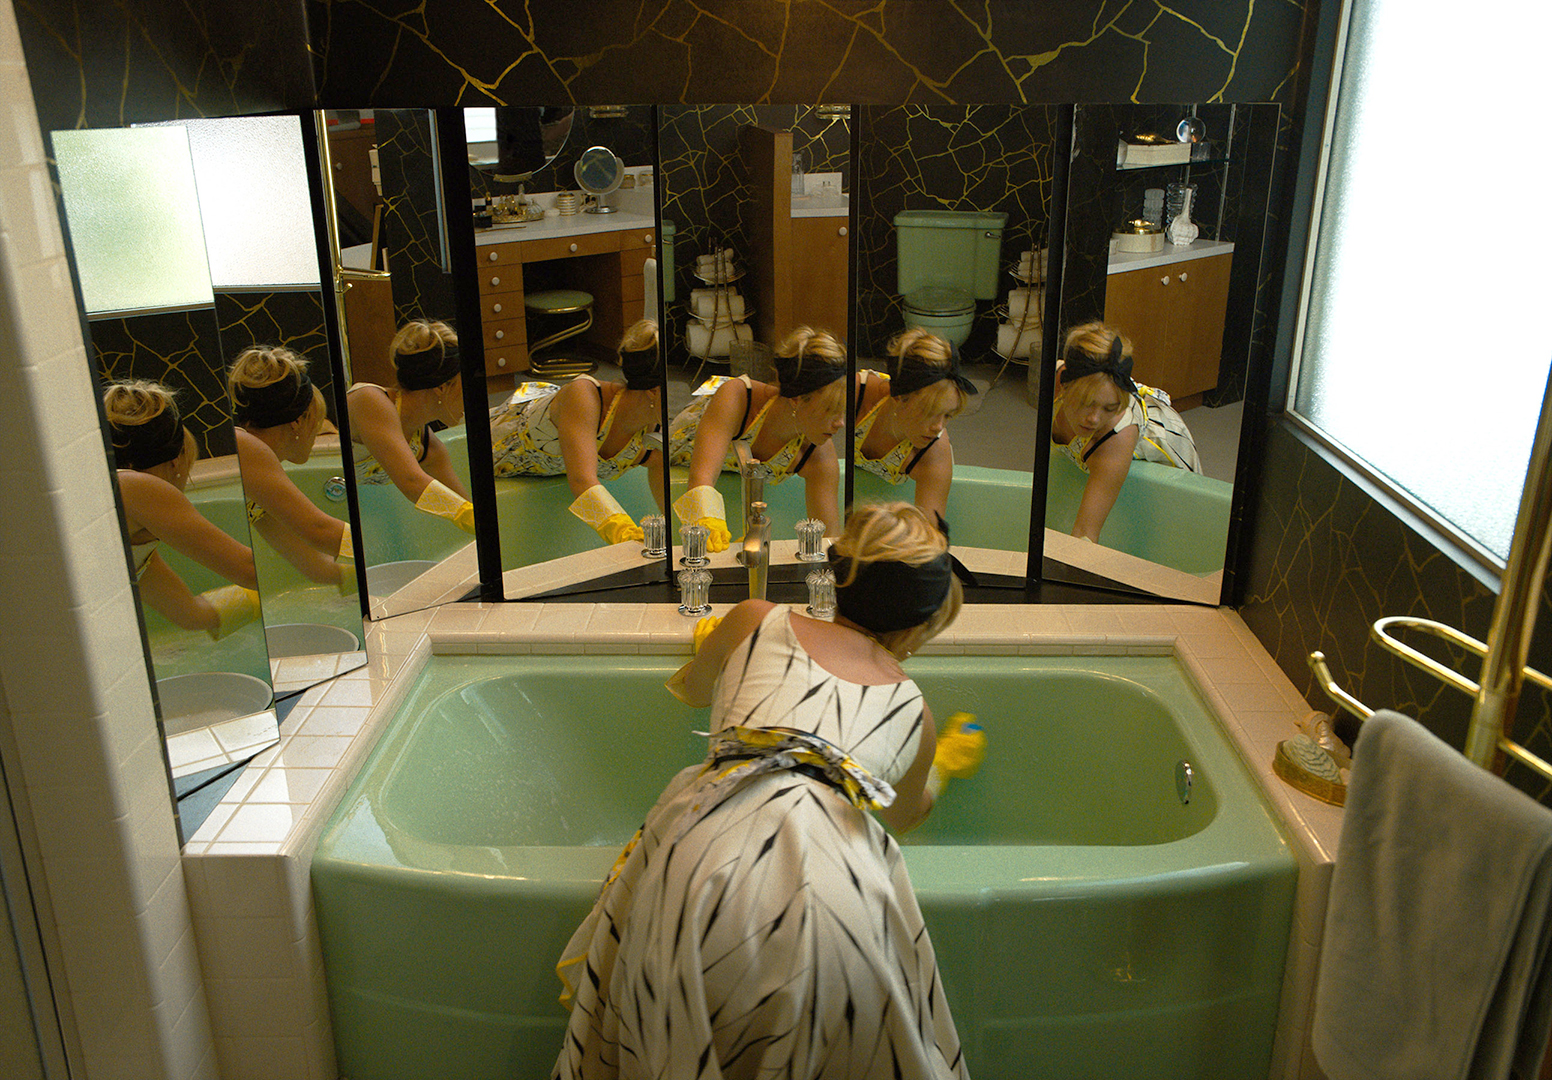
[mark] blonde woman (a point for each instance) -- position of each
(1103, 421)
(392, 425)
(278, 413)
(591, 432)
(154, 453)
(788, 427)
(761, 887)
(902, 417)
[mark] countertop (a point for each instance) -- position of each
(556, 227)
(1122, 261)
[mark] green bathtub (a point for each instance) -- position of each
(1087, 922)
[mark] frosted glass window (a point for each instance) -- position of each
(131, 205)
(254, 200)
(1425, 352)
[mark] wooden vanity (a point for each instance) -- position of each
(1172, 305)
(600, 254)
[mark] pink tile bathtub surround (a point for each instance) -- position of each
(247, 867)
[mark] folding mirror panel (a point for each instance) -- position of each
(194, 253)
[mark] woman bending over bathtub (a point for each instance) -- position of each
(278, 413)
(762, 922)
(902, 416)
(591, 432)
(789, 428)
(393, 424)
(154, 453)
(1104, 421)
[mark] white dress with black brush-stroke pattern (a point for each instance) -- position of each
(762, 924)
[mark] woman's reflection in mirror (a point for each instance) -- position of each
(278, 414)
(393, 424)
(789, 428)
(590, 432)
(1104, 420)
(902, 417)
(154, 453)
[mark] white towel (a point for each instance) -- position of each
(1434, 960)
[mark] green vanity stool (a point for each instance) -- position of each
(549, 306)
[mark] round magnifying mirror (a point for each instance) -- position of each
(599, 173)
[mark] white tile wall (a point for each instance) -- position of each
(88, 762)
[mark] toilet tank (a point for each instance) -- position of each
(958, 249)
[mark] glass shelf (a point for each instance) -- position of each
(1215, 160)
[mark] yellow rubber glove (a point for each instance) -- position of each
(444, 502)
(347, 550)
(703, 506)
(703, 630)
(607, 517)
(348, 585)
(235, 607)
(961, 749)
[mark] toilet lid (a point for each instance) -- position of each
(939, 300)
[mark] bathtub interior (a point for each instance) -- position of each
(1080, 912)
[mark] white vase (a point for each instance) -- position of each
(1182, 230)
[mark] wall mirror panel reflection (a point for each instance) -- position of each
(563, 277)
(1165, 218)
(756, 212)
(193, 244)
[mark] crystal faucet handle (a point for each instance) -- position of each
(811, 540)
(694, 592)
(654, 543)
(821, 593)
(694, 538)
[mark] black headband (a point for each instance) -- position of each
(145, 446)
(913, 374)
(1118, 368)
(641, 368)
(429, 368)
(886, 596)
(281, 402)
(813, 373)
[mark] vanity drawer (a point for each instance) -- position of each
(633, 287)
(504, 333)
(567, 247)
(634, 256)
(499, 254)
(496, 306)
(499, 279)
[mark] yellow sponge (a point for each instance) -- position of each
(961, 746)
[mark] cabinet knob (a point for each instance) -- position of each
(495, 281)
(1164, 280)
(495, 309)
(647, 239)
(501, 361)
(573, 247)
(1182, 275)
(492, 256)
(841, 231)
(500, 334)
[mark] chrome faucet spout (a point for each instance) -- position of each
(752, 480)
(756, 554)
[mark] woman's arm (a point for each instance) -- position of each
(933, 475)
(654, 469)
(1107, 472)
(170, 597)
(315, 565)
(439, 463)
(694, 683)
(913, 802)
(167, 514)
(266, 483)
(575, 412)
(716, 431)
(821, 476)
(375, 420)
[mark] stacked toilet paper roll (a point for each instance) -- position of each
(717, 313)
(1031, 266)
(716, 267)
(702, 340)
(717, 307)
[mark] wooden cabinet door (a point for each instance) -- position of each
(1205, 284)
(820, 290)
(1136, 305)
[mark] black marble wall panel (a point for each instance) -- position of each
(181, 350)
(947, 157)
(101, 63)
(374, 52)
(1329, 560)
(422, 287)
